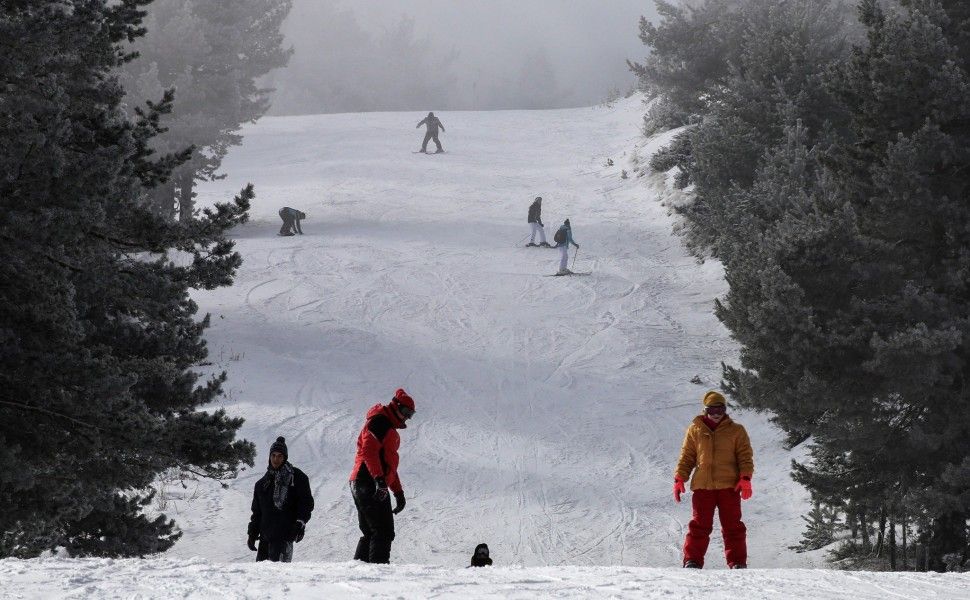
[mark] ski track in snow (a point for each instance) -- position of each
(550, 410)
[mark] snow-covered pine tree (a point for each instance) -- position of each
(98, 337)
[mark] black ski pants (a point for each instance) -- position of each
(376, 524)
(428, 137)
(274, 551)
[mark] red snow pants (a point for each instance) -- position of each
(727, 501)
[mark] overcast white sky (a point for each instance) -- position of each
(586, 42)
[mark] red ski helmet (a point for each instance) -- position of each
(403, 404)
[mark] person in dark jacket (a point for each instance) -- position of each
(433, 123)
(535, 222)
(375, 472)
(291, 221)
(282, 504)
(480, 558)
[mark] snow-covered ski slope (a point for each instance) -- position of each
(550, 409)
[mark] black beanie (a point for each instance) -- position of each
(280, 446)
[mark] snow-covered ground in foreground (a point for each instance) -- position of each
(550, 409)
(196, 578)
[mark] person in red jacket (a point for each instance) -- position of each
(375, 472)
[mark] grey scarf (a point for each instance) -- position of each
(282, 479)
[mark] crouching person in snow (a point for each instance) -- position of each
(719, 453)
(282, 504)
(564, 237)
(375, 472)
(480, 558)
(291, 221)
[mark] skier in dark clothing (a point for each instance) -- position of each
(433, 123)
(291, 221)
(375, 472)
(535, 222)
(282, 504)
(480, 558)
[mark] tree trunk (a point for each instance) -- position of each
(882, 532)
(905, 559)
(892, 541)
(163, 199)
(864, 525)
(948, 535)
(186, 185)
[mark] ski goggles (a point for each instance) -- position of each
(718, 409)
(406, 411)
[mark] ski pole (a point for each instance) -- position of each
(519, 243)
(575, 254)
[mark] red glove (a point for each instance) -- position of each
(678, 488)
(744, 486)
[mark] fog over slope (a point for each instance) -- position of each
(440, 55)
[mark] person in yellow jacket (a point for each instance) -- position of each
(718, 452)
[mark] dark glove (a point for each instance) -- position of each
(251, 543)
(399, 502)
(380, 494)
(297, 531)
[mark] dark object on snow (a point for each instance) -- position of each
(375, 473)
(291, 221)
(433, 123)
(282, 504)
(480, 558)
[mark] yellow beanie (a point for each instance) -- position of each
(713, 399)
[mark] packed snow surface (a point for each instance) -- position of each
(550, 410)
(199, 579)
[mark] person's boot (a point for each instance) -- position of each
(531, 245)
(564, 272)
(692, 564)
(545, 244)
(739, 566)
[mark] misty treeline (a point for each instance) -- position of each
(340, 66)
(826, 152)
(212, 53)
(101, 347)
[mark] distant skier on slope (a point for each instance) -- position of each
(374, 472)
(433, 123)
(564, 237)
(535, 222)
(480, 558)
(282, 503)
(291, 221)
(720, 451)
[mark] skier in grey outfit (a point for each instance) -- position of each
(433, 123)
(291, 221)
